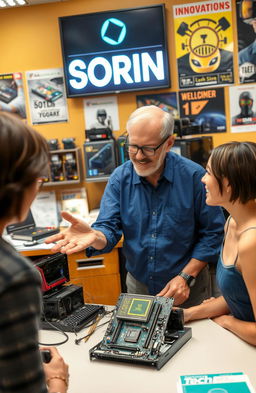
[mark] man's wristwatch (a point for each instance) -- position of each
(190, 280)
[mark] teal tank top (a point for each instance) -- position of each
(233, 289)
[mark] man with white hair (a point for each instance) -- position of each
(157, 202)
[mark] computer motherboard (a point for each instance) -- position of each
(143, 330)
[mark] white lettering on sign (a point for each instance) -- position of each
(121, 69)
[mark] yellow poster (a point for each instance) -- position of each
(204, 43)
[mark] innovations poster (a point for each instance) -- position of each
(12, 97)
(47, 98)
(243, 108)
(204, 43)
(246, 30)
(206, 108)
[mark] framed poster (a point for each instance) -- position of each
(47, 98)
(204, 44)
(101, 112)
(165, 101)
(243, 108)
(246, 31)
(205, 108)
(12, 97)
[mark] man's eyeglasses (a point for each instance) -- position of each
(146, 150)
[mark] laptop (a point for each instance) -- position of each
(27, 230)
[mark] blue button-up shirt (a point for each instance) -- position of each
(164, 226)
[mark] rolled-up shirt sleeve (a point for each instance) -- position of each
(108, 221)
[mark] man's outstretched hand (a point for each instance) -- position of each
(77, 237)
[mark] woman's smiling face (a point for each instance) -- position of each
(213, 194)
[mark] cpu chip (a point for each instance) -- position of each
(132, 335)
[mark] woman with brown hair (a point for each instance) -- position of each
(24, 159)
(230, 182)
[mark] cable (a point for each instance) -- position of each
(58, 330)
(78, 340)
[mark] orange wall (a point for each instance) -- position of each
(30, 41)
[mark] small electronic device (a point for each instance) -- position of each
(31, 243)
(27, 230)
(46, 355)
(122, 152)
(197, 149)
(53, 269)
(97, 134)
(100, 158)
(75, 321)
(53, 144)
(56, 167)
(47, 92)
(70, 166)
(62, 302)
(142, 331)
(186, 126)
(68, 143)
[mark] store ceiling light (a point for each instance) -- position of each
(19, 3)
(12, 3)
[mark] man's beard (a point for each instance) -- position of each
(147, 171)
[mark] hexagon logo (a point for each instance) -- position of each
(113, 31)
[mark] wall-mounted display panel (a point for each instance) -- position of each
(115, 51)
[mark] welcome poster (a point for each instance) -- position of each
(205, 108)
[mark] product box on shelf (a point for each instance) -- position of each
(100, 159)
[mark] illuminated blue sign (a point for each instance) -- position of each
(115, 51)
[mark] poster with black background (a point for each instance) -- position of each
(246, 31)
(205, 108)
(166, 101)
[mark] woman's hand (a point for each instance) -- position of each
(56, 372)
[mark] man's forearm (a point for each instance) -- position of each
(194, 267)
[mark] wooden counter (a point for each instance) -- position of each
(99, 275)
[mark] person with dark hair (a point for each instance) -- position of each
(157, 201)
(24, 160)
(230, 182)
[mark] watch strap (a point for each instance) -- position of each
(188, 278)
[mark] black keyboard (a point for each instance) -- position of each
(75, 321)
